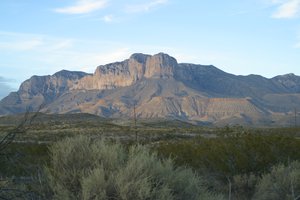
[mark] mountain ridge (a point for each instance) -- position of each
(159, 87)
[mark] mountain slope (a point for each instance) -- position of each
(159, 87)
(39, 90)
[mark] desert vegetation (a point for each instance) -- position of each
(241, 164)
(84, 169)
(170, 160)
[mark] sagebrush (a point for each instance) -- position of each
(81, 168)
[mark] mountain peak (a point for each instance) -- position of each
(141, 58)
(162, 58)
(129, 71)
(161, 88)
(160, 66)
(70, 74)
(289, 81)
(162, 54)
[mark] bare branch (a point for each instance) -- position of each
(10, 136)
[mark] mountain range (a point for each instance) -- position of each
(156, 86)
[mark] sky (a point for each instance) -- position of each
(238, 36)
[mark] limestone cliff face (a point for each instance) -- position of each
(52, 86)
(128, 72)
(160, 66)
(159, 87)
(40, 90)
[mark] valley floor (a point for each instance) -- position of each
(234, 162)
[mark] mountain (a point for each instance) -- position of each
(159, 87)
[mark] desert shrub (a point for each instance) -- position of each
(84, 169)
(282, 183)
(233, 155)
(223, 159)
(244, 186)
(22, 159)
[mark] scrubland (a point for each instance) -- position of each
(160, 159)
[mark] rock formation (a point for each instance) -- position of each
(159, 87)
(128, 72)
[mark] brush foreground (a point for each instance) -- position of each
(66, 157)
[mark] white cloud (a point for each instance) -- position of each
(10, 41)
(145, 7)
(275, 1)
(83, 7)
(108, 18)
(42, 52)
(61, 44)
(21, 45)
(287, 9)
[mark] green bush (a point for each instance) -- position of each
(84, 169)
(232, 163)
(282, 183)
(233, 155)
(244, 186)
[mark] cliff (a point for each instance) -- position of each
(159, 87)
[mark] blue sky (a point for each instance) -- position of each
(238, 36)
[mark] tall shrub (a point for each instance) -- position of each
(84, 169)
(282, 183)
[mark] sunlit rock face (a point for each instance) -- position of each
(128, 72)
(159, 87)
(160, 66)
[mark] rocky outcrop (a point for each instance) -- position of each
(39, 90)
(159, 87)
(128, 72)
(160, 66)
(52, 86)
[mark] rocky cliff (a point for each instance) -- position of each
(128, 72)
(39, 90)
(159, 87)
